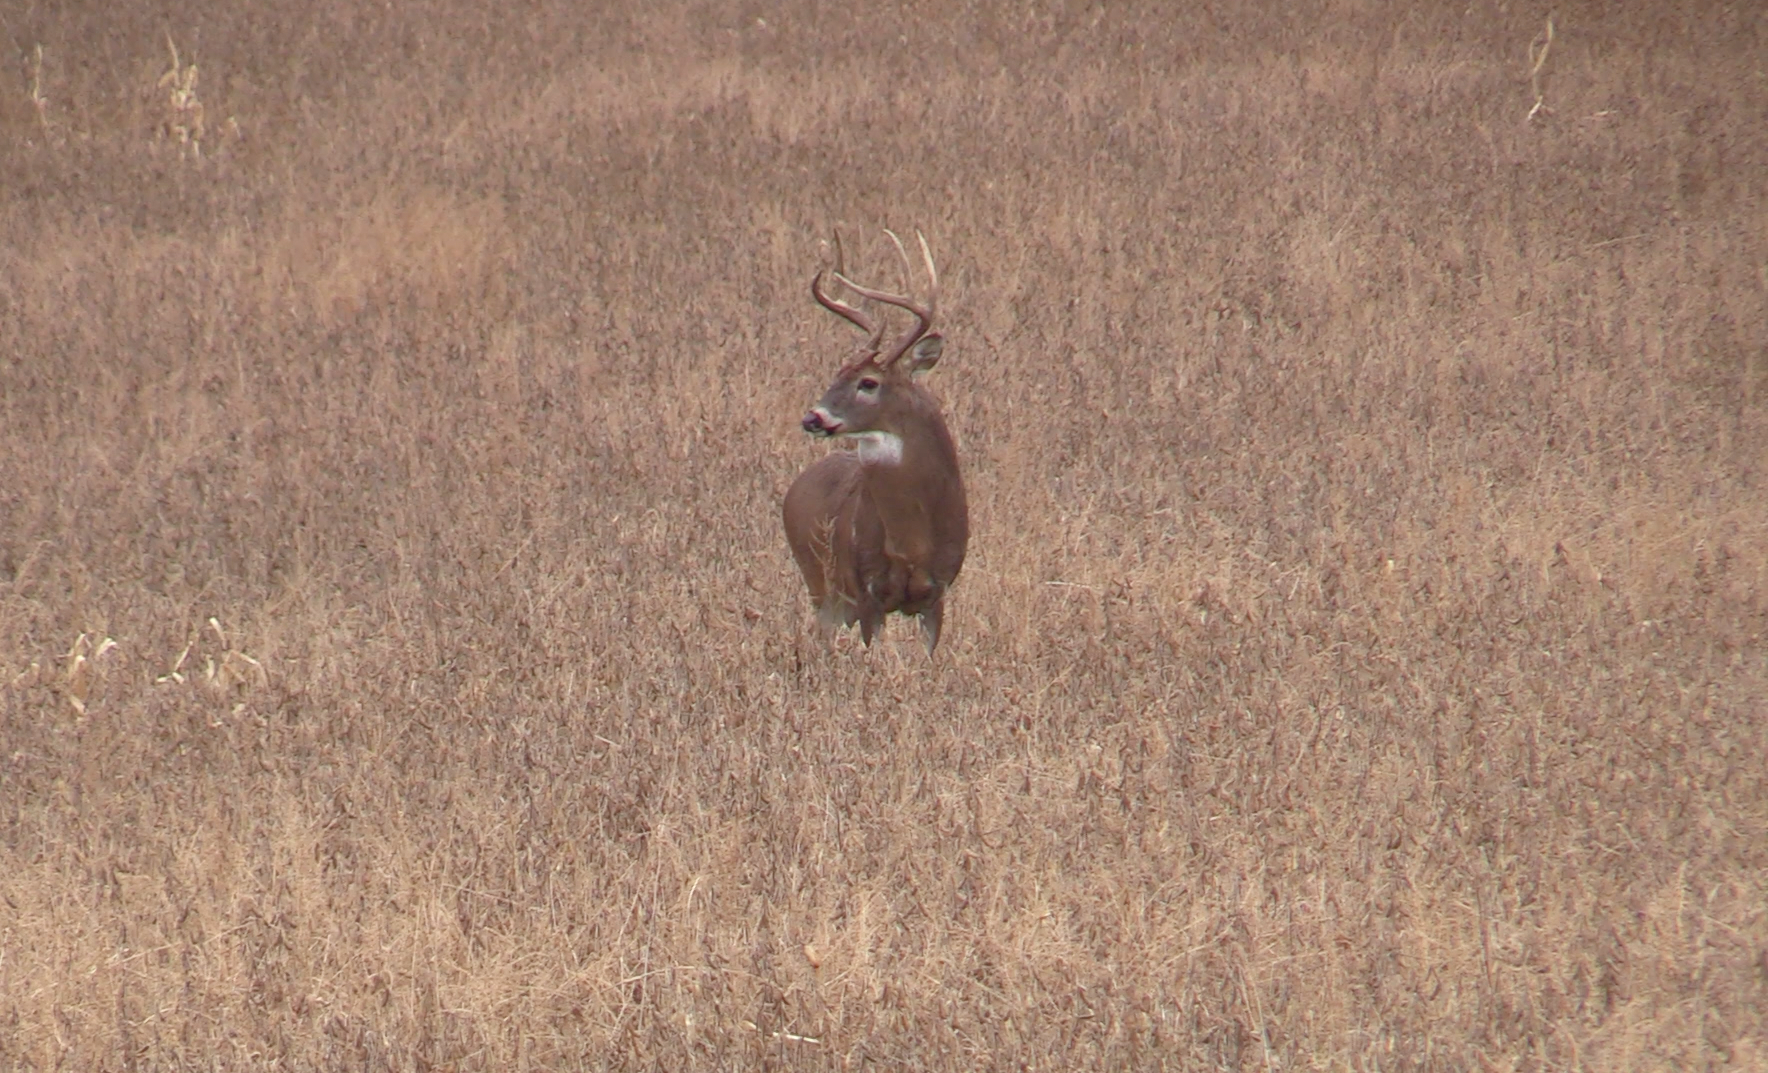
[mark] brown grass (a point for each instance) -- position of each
(1360, 663)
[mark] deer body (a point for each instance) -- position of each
(882, 529)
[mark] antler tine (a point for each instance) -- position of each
(923, 314)
(932, 275)
(851, 314)
(908, 270)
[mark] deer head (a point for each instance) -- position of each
(874, 397)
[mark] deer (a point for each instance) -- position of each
(883, 528)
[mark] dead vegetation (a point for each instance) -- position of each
(1359, 663)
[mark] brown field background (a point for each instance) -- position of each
(1360, 661)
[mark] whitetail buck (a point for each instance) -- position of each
(882, 528)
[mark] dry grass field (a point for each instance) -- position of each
(1360, 661)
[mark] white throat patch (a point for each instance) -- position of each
(879, 448)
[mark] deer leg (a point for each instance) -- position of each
(823, 627)
(870, 619)
(931, 620)
(835, 612)
(923, 589)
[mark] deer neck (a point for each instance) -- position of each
(912, 478)
(915, 456)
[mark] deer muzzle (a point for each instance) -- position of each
(818, 422)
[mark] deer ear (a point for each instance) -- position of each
(924, 355)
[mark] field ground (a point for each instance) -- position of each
(1360, 662)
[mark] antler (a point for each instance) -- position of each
(851, 314)
(923, 315)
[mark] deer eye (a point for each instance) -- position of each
(868, 384)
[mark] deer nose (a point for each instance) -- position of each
(816, 423)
